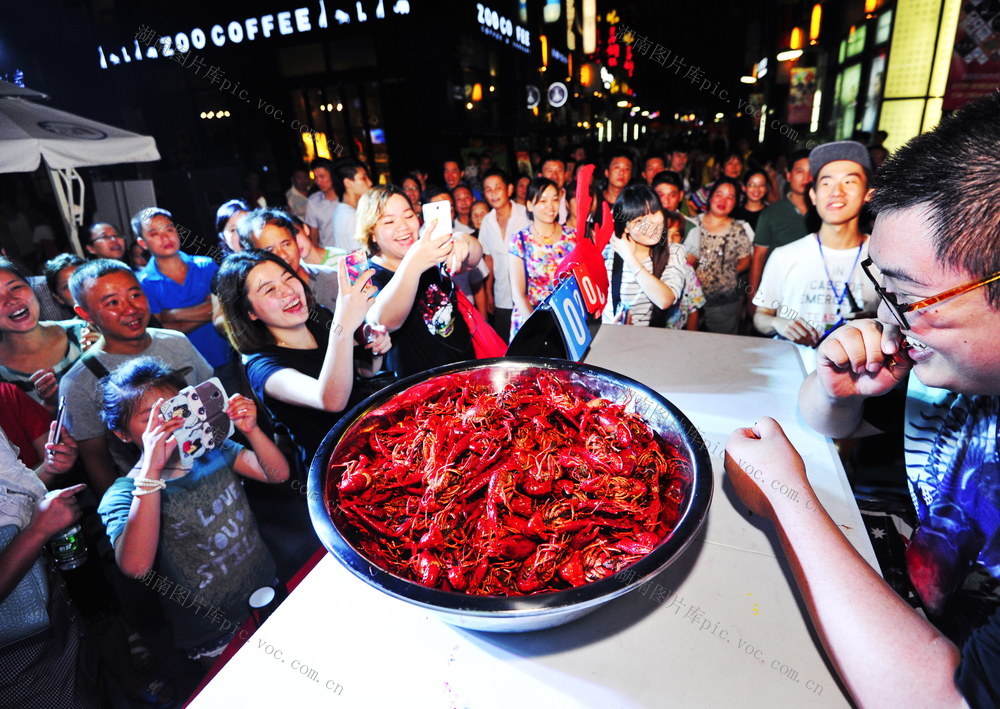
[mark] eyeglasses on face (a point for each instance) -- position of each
(899, 310)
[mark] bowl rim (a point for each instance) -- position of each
(553, 602)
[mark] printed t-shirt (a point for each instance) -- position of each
(210, 556)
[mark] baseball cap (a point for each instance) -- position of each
(840, 150)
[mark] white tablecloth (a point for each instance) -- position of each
(722, 627)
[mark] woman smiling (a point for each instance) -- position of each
(298, 356)
(417, 299)
(34, 354)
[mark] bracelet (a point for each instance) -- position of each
(147, 486)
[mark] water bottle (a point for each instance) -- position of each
(69, 548)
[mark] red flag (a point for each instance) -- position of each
(586, 260)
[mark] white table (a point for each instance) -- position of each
(740, 639)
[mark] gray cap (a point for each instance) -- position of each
(841, 150)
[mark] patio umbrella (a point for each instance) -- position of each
(31, 132)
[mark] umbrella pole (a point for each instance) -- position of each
(69, 189)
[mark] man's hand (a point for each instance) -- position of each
(59, 457)
(56, 511)
(798, 331)
(763, 454)
(862, 358)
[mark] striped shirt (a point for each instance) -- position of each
(639, 305)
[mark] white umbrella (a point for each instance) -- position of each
(30, 132)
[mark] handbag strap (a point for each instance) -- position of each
(617, 265)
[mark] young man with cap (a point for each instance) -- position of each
(932, 362)
(814, 284)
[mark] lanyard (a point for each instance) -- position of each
(847, 280)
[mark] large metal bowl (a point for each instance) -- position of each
(524, 613)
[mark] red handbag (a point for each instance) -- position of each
(485, 340)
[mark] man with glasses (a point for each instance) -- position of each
(931, 360)
(105, 242)
(814, 284)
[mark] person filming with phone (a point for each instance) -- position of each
(417, 300)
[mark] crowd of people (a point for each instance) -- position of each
(306, 308)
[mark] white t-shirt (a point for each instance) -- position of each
(344, 218)
(319, 214)
(496, 245)
(795, 284)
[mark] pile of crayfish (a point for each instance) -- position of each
(536, 487)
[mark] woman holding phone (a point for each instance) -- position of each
(298, 356)
(417, 299)
(536, 252)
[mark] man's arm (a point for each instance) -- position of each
(858, 360)
(187, 319)
(886, 654)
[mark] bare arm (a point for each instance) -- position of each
(490, 280)
(187, 319)
(394, 302)
(332, 389)
(858, 360)
(519, 286)
(799, 330)
(757, 267)
(265, 462)
(54, 513)
(886, 654)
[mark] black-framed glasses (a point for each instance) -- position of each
(899, 310)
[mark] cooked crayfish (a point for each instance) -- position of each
(540, 486)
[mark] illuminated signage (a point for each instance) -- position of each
(558, 56)
(502, 29)
(557, 94)
(151, 44)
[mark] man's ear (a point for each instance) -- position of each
(90, 250)
(869, 194)
(142, 243)
(84, 315)
(812, 195)
(510, 190)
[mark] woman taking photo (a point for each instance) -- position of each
(720, 247)
(417, 299)
(537, 251)
(34, 355)
(298, 356)
(646, 272)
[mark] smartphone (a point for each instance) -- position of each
(60, 418)
(354, 264)
(441, 211)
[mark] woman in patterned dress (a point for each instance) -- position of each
(721, 246)
(537, 251)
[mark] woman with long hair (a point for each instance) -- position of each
(646, 271)
(298, 356)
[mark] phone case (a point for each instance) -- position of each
(354, 263)
(441, 211)
(206, 425)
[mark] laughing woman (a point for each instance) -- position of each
(298, 356)
(34, 354)
(417, 299)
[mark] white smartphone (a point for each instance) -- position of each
(440, 211)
